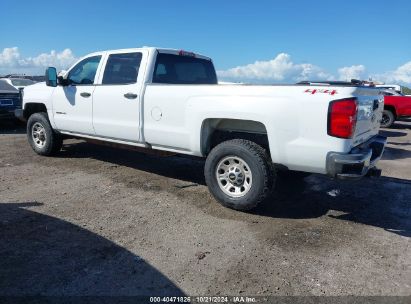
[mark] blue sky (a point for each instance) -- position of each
(325, 35)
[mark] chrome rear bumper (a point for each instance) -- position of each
(358, 162)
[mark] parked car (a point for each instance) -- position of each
(18, 83)
(10, 100)
(396, 106)
(170, 100)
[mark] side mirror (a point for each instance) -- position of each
(51, 77)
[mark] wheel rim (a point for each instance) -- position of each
(38, 134)
(234, 176)
(385, 119)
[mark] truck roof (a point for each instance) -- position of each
(157, 49)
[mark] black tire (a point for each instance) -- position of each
(256, 160)
(388, 119)
(51, 141)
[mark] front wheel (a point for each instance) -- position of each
(388, 119)
(41, 136)
(239, 174)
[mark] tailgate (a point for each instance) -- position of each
(369, 114)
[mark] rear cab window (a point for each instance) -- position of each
(182, 69)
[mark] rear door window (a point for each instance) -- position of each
(122, 68)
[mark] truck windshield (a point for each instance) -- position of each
(178, 69)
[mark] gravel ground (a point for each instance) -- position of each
(99, 221)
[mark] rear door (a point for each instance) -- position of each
(117, 98)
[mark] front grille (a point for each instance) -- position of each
(5, 99)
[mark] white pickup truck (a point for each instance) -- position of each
(170, 100)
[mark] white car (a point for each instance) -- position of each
(170, 100)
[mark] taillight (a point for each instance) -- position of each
(342, 117)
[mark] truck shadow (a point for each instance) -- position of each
(382, 202)
(171, 166)
(401, 125)
(44, 255)
(396, 153)
(390, 133)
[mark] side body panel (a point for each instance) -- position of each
(296, 122)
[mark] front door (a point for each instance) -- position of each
(116, 100)
(73, 103)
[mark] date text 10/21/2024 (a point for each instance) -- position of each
(204, 299)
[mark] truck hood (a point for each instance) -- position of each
(36, 86)
(38, 92)
(7, 88)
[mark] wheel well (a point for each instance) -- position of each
(215, 131)
(31, 108)
(392, 109)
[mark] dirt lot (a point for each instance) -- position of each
(100, 221)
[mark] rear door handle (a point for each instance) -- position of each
(130, 96)
(85, 94)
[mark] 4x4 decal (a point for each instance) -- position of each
(324, 91)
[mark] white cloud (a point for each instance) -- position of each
(12, 62)
(60, 60)
(351, 72)
(281, 68)
(9, 57)
(401, 75)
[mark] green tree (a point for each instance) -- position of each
(406, 91)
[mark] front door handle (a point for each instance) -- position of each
(130, 96)
(85, 94)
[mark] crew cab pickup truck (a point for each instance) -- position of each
(170, 100)
(396, 106)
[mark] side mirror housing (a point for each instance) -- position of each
(62, 81)
(51, 77)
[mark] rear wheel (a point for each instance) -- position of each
(41, 136)
(239, 174)
(388, 119)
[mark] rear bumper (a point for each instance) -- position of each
(358, 162)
